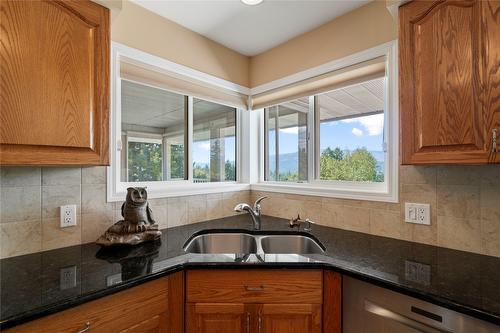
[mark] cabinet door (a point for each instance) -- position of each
(55, 82)
(290, 318)
(217, 318)
(449, 58)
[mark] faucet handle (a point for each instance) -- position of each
(256, 205)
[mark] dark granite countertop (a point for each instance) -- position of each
(462, 281)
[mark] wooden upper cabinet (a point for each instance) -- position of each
(54, 83)
(449, 81)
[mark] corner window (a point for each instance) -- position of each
(334, 134)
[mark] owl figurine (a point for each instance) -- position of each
(137, 225)
(135, 210)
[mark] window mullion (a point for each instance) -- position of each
(189, 148)
(311, 140)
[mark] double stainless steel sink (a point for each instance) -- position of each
(253, 242)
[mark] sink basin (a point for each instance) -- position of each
(222, 243)
(290, 244)
(253, 242)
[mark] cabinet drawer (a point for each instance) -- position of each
(141, 306)
(255, 286)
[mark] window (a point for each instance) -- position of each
(286, 141)
(333, 134)
(174, 130)
(153, 133)
(214, 142)
(350, 122)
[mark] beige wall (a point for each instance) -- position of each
(464, 206)
(139, 28)
(366, 27)
(30, 200)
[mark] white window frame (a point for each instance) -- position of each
(386, 191)
(116, 189)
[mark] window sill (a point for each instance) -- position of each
(168, 190)
(372, 192)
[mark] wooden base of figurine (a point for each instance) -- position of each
(115, 235)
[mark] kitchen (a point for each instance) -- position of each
(297, 166)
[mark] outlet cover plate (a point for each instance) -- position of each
(418, 213)
(68, 216)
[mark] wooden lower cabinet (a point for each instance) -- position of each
(263, 301)
(290, 318)
(217, 318)
(248, 318)
(146, 308)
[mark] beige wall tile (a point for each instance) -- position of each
(425, 234)
(330, 211)
(490, 202)
(231, 199)
(215, 207)
(159, 210)
(410, 174)
(197, 208)
(355, 219)
(459, 175)
(490, 237)
(18, 238)
(177, 213)
(61, 176)
(94, 225)
(55, 196)
(17, 176)
(460, 234)
(19, 203)
(94, 175)
(389, 224)
(460, 201)
(54, 237)
(94, 199)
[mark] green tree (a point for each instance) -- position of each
(176, 161)
(229, 170)
(144, 161)
(359, 165)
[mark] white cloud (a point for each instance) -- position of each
(290, 130)
(374, 125)
(357, 131)
(204, 145)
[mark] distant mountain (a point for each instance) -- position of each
(290, 162)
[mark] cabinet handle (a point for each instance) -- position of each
(248, 288)
(260, 323)
(87, 327)
(248, 322)
(494, 142)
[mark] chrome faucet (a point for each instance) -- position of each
(254, 212)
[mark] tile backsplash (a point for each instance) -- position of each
(30, 199)
(465, 208)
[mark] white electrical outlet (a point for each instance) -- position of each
(418, 213)
(68, 216)
(67, 277)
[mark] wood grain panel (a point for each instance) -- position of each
(217, 318)
(444, 50)
(54, 82)
(332, 302)
(119, 312)
(291, 318)
(271, 286)
(176, 301)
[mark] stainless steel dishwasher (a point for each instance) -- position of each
(371, 309)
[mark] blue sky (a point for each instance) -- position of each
(346, 134)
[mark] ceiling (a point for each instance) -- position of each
(250, 30)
